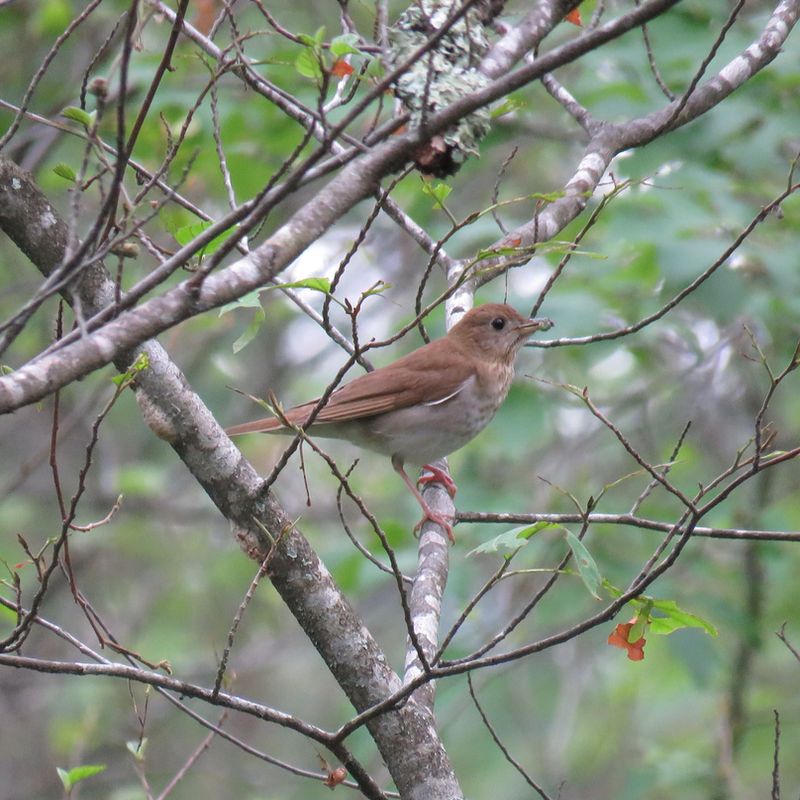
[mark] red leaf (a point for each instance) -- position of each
(619, 638)
(341, 69)
(574, 17)
(636, 650)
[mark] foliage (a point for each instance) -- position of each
(162, 576)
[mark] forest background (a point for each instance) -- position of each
(641, 193)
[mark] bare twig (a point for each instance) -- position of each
(628, 520)
(776, 764)
(503, 749)
(251, 589)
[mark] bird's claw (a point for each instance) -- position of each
(438, 476)
(438, 519)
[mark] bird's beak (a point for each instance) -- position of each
(533, 325)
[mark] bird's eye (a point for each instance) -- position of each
(498, 323)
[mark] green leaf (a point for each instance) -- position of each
(315, 284)
(344, 44)
(587, 566)
(676, 618)
(188, 233)
(70, 777)
(79, 115)
(251, 331)
(512, 540)
(639, 627)
(375, 69)
(637, 631)
(65, 171)
(509, 105)
(547, 197)
(141, 363)
(252, 299)
(438, 192)
(308, 64)
(378, 288)
(672, 618)
(65, 781)
(494, 252)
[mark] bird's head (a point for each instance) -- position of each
(495, 331)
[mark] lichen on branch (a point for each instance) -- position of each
(447, 72)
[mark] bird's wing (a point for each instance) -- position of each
(430, 375)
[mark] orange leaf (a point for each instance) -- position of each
(341, 69)
(636, 650)
(574, 17)
(619, 638)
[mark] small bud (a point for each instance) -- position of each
(126, 250)
(98, 87)
(335, 777)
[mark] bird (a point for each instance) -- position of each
(426, 404)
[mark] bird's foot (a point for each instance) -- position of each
(438, 476)
(429, 514)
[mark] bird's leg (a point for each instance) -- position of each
(438, 476)
(427, 512)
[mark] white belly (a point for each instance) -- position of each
(421, 434)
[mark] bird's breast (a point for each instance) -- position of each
(424, 432)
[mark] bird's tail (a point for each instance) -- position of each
(257, 426)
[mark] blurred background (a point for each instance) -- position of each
(694, 720)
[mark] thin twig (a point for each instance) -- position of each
(664, 471)
(628, 520)
(776, 765)
(503, 749)
(194, 757)
(251, 589)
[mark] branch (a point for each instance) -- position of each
(524, 36)
(630, 520)
(182, 688)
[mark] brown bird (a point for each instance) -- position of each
(426, 404)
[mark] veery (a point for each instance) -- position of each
(427, 404)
